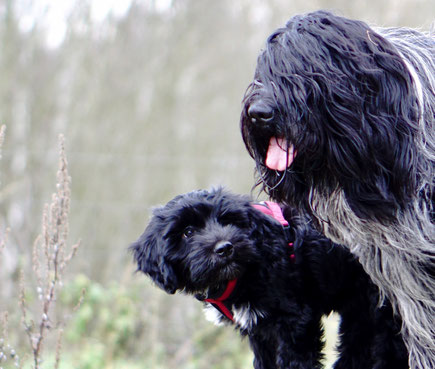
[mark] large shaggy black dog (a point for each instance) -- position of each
(273, 277)
(340, 121)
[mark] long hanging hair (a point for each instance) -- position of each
(358, 106)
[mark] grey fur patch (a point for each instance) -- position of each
(247, 317)
(392, 255)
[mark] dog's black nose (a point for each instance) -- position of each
(224, 248)
(260, 111)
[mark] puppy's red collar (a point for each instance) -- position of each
(218, 302)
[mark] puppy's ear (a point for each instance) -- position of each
(149, 253)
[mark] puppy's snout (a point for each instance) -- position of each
(224, 248)
(260, 112)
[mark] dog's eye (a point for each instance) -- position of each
(188, 232)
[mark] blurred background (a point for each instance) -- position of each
(148, 95)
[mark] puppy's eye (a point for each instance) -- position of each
(188, 232)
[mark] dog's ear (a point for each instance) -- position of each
(149, 253)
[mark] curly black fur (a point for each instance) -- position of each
(278, 302)
(357, 106)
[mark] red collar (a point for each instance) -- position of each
(218, 302)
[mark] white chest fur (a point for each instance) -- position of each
(246, 317)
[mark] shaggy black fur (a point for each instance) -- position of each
(278, 302)
(354, 108)
(342, 95)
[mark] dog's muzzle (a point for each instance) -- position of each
(224, 248)
(259, 112)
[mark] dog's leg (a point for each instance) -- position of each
(289, 343)
(263, 347)
(356, 339)
(388, 348)
(370, 338)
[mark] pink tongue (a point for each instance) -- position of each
(279, 156)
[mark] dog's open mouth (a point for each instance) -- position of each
(215, 285)
(280, 154)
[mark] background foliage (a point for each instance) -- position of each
(148, 102)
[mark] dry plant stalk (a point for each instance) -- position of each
(2, 138)
(2, 243)
(51, 255)
(7, 352)
(3, 239)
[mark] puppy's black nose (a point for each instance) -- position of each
(260, 111)
(224, 248)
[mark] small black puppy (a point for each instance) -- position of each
(268, 272)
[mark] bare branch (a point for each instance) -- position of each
(50, 257)
(2, 137)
